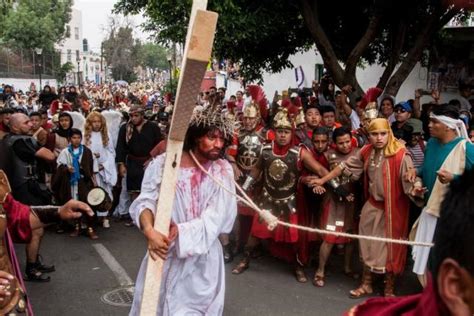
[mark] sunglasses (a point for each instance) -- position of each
(400, 111)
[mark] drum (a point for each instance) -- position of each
(99, 200)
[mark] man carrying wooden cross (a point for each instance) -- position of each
(193, 280)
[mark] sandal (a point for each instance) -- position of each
(360, 292)
(300, 275)
(319, 280)
(241, 267)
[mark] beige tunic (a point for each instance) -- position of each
(372, 218)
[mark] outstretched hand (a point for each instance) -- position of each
(418, 191)
(410, 175)
(74, 209)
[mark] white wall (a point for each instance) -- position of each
(367, 77)
(24, 84)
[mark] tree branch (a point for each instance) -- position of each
(397, 46)
(361, 46)
(310, 16)
(414, 54)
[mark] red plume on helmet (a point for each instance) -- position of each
(285, 103)
(231, 106)
(370, 96)
(259, 98)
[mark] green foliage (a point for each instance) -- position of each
(171, 86)
(121, 54)
(62, 71)
(30, 24)
(261, 35)
(152, 56)
(247, 31)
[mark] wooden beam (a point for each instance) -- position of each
(197, 52)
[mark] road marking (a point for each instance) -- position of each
(119, 272)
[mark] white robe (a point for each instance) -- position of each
(194, 270)
(65, 158)
(107, 177)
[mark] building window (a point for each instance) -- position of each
(69, 57)
(78, 58)
(76, 33)
(68, 31)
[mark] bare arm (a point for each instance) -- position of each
(346, 106)
(311, 164)
(45, 154)
(417, 104)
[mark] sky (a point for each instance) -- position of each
(95, 15)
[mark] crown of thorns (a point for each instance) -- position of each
(213, 118)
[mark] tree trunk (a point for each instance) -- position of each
(414, 54)
(397, 45)
(310, 16)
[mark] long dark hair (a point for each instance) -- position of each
(195, 132)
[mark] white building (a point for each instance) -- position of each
(71, 47)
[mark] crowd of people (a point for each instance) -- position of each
(326, 159)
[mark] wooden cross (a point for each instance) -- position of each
(197, 52)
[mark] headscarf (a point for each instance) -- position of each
(457, 125)
(130, 126)
(61, 131)
(393, 145)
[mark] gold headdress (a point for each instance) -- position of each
(369, 103)
(281, 120)
(300, 118)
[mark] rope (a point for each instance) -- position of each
(44, 207)
(272, 221)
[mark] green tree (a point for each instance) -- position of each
(154, 56)
(261, 35)
(62, 70)
(120, 52)
(29, 24)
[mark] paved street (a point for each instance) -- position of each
(82, 278)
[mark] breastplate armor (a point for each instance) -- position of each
(250, 146)
(280, 180)
(20, 171)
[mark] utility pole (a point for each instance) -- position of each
(101, 61)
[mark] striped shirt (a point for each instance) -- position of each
(417, 154)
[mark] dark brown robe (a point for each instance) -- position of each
(61, 185)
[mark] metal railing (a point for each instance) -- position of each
(26, 63)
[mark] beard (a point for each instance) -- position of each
(211, 155)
